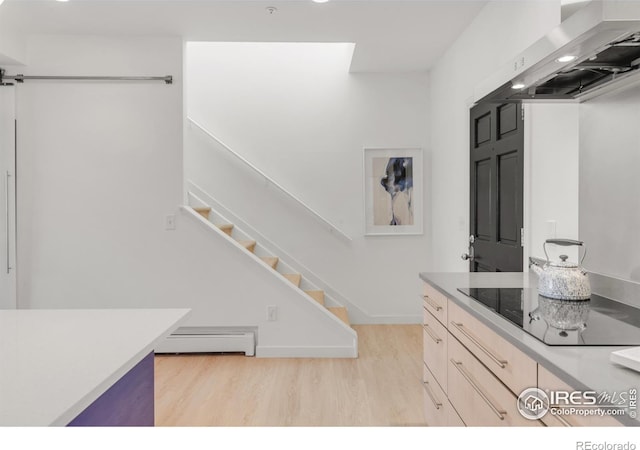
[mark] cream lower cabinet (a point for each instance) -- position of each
(549, 382)
(437, 408)
(515, 369)
(435, 338)
(472, 376)
(478, 396)
(438, 411)
(435, 303)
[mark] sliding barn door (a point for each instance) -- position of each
(7, 198)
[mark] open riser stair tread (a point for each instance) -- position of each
(249, 245)
(294, 278)
(204, 211)
(341, 313)
(227, 228)
(271, 261)
(317, 296)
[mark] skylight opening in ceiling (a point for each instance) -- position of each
(301, 57)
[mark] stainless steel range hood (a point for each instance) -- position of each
(603, 38)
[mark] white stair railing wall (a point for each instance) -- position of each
(243, 288)
(247, 200)
(332, 228)
(196, 196)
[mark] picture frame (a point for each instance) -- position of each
(393, 191)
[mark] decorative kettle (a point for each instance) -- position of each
(562, 280)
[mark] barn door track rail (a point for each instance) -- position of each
(20, 78)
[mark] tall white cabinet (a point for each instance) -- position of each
(8, 299)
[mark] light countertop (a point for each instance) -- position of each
(582, 367)
(55, 363)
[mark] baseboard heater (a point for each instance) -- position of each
(209, 340)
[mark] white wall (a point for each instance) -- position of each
(12, 49)
(553, 155)
(500, 31)
(99, 168)
(297, 114)
(609, 183)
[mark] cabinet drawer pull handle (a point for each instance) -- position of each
(432, 303)
(431, 395)
(469, 378)
(431, 334)
(500, 362)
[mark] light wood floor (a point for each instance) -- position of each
(382, 387)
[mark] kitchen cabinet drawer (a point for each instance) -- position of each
(509, 364)
(453, 419)
(438, 412)
(477, 395)
(547, 381)
(434, 344)
(435, 302)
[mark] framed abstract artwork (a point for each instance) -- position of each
(393, 191)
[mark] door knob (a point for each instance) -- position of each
(470, 256)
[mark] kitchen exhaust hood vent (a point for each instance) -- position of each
(594, 51)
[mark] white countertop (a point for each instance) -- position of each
(55, 363)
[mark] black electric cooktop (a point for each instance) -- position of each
(598, 321)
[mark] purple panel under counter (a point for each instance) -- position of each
(128, 403)
(80, 366)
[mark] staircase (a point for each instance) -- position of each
(272, 261)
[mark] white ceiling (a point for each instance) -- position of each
(390, 35)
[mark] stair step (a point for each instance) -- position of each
(295, 278)
(204, 211)
(249, 245)
(227, 228)
(272, 261)
(341, 313)
(317, 296)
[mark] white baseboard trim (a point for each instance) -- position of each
(306, 352)
(209, 343)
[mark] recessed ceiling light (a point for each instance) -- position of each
(62, 0)
(517, 86)
(1, 2)
(566, 58)
(320, 1)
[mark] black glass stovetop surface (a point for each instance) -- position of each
(598, 321)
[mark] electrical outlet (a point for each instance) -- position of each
(170, 222)
(272, 313)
